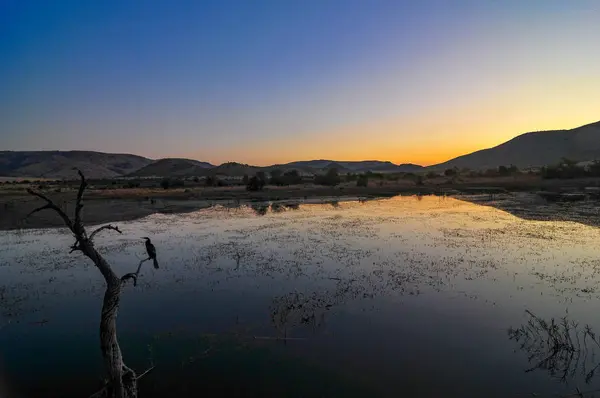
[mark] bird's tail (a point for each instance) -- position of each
(155, 263)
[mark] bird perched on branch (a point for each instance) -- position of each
(151, 251)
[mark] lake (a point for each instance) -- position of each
(407, 296)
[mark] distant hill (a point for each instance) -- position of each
(173, 167)
(535, 149)
(355, 166)
(60, 164)
(234, 169)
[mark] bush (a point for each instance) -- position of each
(362, 181)
(565, 169)
(332, 178)
(276, 177)
(506, 171)
(196, 179)
(255, 183)
(211, 181)
(165, 183)
(450, 172)
(292, 177)
(594, 169)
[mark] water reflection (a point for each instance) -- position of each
(377, 295)
(561, 347)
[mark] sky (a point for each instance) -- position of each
(273, 81)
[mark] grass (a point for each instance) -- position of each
(560, 347)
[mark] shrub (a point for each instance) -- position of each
(255, 183)
(292, 177)
(165, 183)
(276, 177)
(331, 178)
(450, 172)
(362, 181)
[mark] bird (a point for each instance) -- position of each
(151, 251)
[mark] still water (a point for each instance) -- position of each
(408, 296)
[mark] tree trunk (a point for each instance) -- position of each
(122, 381)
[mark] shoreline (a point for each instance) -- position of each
(115, 205)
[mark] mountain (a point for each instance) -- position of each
(60, 164)
(534, 149)
(234, 169)
(354, 166)
(173, 167)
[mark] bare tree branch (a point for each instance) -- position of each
(134, 275)
(145, 372)
(50, 205)
(122, 381)
(103, 228)
(79, 202)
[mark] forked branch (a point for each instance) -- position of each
(134, 275)
(50, 205)
(114, 228)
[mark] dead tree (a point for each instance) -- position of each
(121, 380)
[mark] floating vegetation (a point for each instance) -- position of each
(559, 346)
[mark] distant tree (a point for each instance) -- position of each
(331, 178)
(255, 184)
(210, 181)
(292, 177)
(165, 183)
(503, 170)
(261, 175)
(276, 177)
(594, 168)
(245, 179)
(362, 181)
(432, 174)
(450, 172)
(196, 179)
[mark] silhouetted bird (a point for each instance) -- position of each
(151, 251)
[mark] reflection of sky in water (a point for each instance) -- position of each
(397, 296)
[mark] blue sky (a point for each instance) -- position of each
(272, 81)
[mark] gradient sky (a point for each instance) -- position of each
(265, 82)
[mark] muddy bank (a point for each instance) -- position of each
(98, 211)
(103, 206)
(530, 206)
